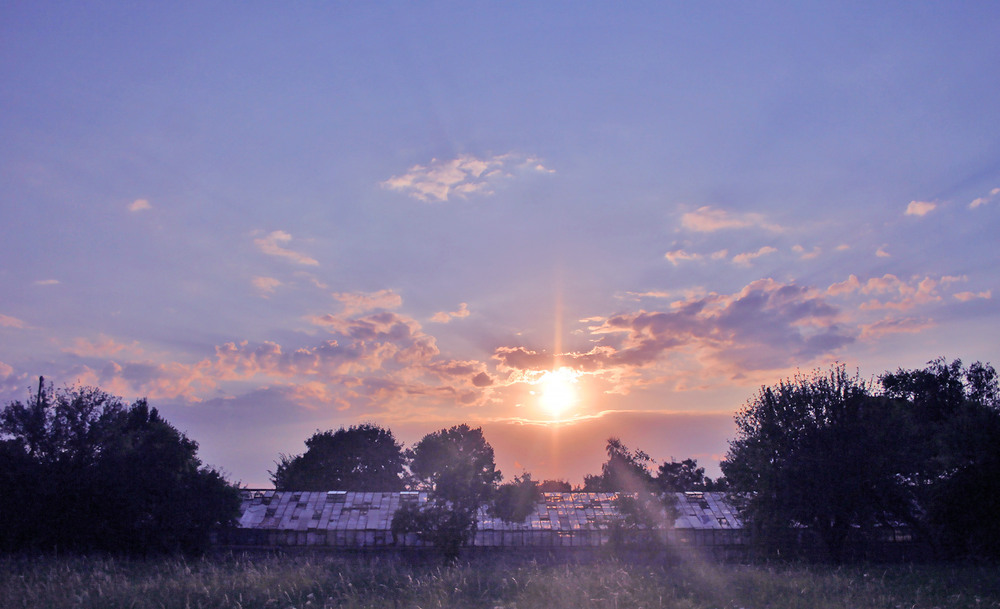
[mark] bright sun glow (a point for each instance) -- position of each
(558, 391)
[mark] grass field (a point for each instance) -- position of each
(328, 581)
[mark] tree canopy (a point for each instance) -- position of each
(625, 470)
(457, 467)
(832, 452)
(82, 471)
(362, 457)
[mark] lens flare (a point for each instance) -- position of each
(558, 391)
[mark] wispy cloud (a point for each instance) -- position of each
(265, 286)
(920, 208)
(441, 180)
(103, 346)
(746, 258)
(979, 201)
(967, 296)
(892, 292)
(707, 220)
(274, 243)
(47, 282)
(443, 317)
(882, 252)
(677, 256)
(6, 321)
(139, 205)
(360, 302)
(807, 255)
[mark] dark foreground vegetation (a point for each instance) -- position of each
(276, 582)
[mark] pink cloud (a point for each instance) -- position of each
(706, 220)
(462, 176)
(920, 208)
(360, 302)
(443, 317)
(967, 296)
(265, 286)
(980, 201)
(273, 244)
(746, 258)
(7, 321)
(103, 346)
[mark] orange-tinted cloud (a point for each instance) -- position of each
(462, 176)
(273, 244)
(707, 220)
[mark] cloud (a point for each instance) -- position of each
(894, 293)
(746, 258)
(103, 346)
(139, 205)
(47, 282)
(881, 252)
(967, 296)
(443, 317)
(920, 208)
(804, 255)
(360, 302)
(677, 256)
(273, 245)
(265, 286)
(884, 327)
(979, 201)
(707, 220)
(849, 285)
(766, 326)
(461, 177)
(6, 321)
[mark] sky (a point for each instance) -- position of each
(556, 221)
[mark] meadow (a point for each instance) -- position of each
(283, 582)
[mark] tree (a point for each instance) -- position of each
(642, 509)
(624, 470)
(555, 486)
(823, 452)
(360, 458)
(957, 439)
(100, 475)
(514, 501)
(675, 477)
(457, 468)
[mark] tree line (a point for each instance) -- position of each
(850, 459)
(828, 451)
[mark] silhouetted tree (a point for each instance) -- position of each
(514, 501)
(957, 441)
(821, 451)
(643, 510)
(457, 468)
(625, 470)
(555, 486)
(678, 476)
(360, 458)
(90, 473)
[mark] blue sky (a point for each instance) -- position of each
(271, 220)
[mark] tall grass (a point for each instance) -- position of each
(275, 582)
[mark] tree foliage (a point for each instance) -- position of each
(679, 476)
(514, 501)
(625, 471)
(957, 439)
(457, 468)
(643, 509)
(360, 458)
(831, 452)
(82, 472)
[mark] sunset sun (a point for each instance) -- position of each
(558, 392)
